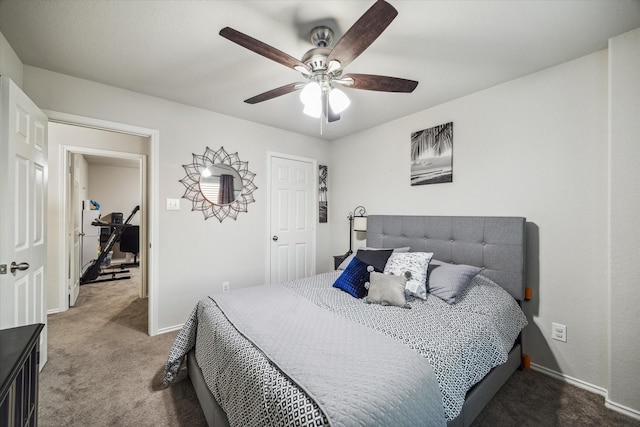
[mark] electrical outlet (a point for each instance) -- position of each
(559, 332)
(173, 204)
(225, 286)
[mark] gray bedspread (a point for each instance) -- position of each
(356, 375)
(462, 342)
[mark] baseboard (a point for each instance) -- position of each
(170, 329)
(624, 410)
(571, 380)
(54, 311)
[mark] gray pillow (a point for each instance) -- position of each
(348, 259)
(447, 281)
(385, 289)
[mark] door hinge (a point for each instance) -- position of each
(3, 268)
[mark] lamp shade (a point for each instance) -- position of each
(313, 110)
(360, 223)
(338, 100)
(310, 93)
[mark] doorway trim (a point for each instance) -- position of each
(314, 166)
(65, 150)
(149, 200)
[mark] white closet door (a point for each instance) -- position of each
(293, 216)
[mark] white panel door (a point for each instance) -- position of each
(293, 215)
(23, 225)
(74, 227)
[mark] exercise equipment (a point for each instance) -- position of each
(96, 269)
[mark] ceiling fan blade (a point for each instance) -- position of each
(331, 116)
(274, 93)
(261, 48)
(378, 83)
(364, 32)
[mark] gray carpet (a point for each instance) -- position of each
(104, 370)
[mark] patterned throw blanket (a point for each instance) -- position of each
(462, 342)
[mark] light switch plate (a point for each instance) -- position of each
(559, 332)
(173, 204)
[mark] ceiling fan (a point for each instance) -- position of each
(323, 66)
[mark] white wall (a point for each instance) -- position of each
(117, 189)
(624, 134)
(533, 147)
(195, 256)
(10, 64)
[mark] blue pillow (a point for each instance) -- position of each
(353, 278)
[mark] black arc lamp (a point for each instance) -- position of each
(357, 222)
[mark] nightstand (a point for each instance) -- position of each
(19, 368)
(337, 260)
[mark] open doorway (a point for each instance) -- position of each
(76, 137)
(104, 197)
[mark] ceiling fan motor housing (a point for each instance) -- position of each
(316, 59)
(321, 36)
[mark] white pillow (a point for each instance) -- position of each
(413, 266)
(348, 259)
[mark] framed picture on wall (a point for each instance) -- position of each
(322, 193)
(432, 155)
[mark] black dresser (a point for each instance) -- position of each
(19, 360)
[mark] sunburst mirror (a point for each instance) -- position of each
(218, 184)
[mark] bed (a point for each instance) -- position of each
(264, 392)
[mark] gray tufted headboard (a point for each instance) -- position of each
(495, 243)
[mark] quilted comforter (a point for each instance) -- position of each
(462, 342)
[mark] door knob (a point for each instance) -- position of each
(274, 238)
(22, 266)
(81, 234)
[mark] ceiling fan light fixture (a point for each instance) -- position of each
(314, 110)
(311, 94)
(338, 100)
(324, 64)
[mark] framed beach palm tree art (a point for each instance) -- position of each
(432, 155)
(323, 209)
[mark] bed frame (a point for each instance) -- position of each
(497, 244)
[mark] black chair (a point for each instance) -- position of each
(130, 241)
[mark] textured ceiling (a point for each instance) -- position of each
(172, 50)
